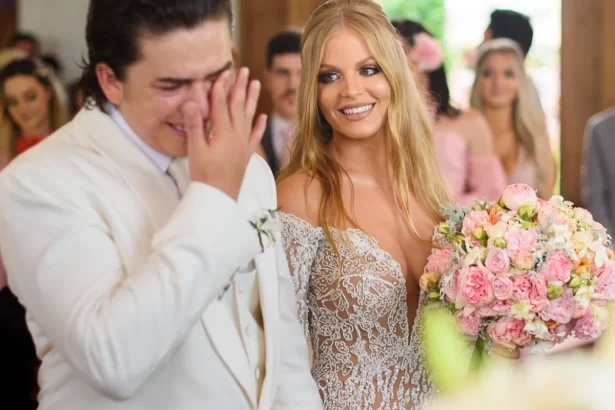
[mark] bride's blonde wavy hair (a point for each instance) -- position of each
(408, 134)
(528, 119)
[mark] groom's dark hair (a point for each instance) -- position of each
(114, 28)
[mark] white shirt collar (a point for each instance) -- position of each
(161, 160)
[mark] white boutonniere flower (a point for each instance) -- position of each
(267, 225)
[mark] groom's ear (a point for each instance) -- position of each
(110, 85)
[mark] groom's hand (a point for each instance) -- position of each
(220, 158)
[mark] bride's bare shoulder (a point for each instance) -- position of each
(300, 195)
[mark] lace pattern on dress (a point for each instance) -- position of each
(365, 355)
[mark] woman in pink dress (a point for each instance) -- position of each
(463, 141)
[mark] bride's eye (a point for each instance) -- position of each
(328, 77)
(370, 70)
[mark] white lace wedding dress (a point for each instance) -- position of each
(365, 355)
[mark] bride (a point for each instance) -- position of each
(359, 200)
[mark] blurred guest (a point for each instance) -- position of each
(517, 27)
(33, 103)
(502, 92)
(27, 42)
(463, 140)
(512, 25)
(598, 168)
(281, 81)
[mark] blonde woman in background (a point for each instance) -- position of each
(34, 105)
(502, 92)
(359, 200)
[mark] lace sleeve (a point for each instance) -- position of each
(301, 242)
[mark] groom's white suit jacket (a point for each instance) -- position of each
(85, 211)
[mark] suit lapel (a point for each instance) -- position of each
(136, 169)
(221, 326)
(266, 271)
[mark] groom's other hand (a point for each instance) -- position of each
(219, 149)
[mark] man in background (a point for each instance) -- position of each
(27, 42)
(598, 168)
(281, 81)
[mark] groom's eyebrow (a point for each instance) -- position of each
(177, 81)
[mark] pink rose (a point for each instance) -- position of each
(605, 289)
(438, 261)
(558, 267)
(502, 287)
(509, 332)
(561, 309)
(475, 287)
(497, 260)
(517, 195)
(450, 286)
(538, 293)
(473, 220)
(522, 285)
(469, 324)
(519, 240)
(588, 327)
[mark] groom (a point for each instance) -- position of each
(128, 234)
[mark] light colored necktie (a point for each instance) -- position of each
(175, 172)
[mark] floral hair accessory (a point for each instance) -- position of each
(426, 53)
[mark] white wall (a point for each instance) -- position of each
(60, 25)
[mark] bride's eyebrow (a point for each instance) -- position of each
(332, 67)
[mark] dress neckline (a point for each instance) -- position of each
(360, 233)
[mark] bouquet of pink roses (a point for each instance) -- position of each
(521, 271)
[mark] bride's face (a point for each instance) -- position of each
(353, 93)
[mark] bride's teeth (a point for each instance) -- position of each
(178, 127)
(358, 110)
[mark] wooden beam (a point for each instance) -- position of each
(581, 66)
(258, 21)
(608, 54)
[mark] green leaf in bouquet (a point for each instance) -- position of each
(446, 351)
(480, 205)
(454, 215)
